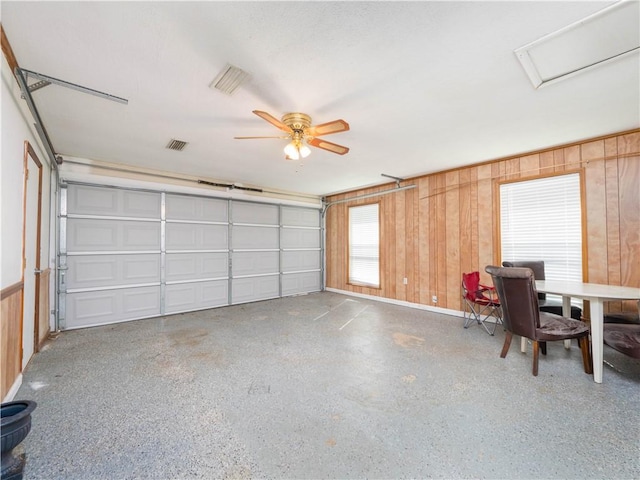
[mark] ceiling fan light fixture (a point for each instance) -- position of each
(296, 150)
(304, 151)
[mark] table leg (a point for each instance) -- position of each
(566, 312)
(597, 342)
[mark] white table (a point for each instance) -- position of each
(596, 294)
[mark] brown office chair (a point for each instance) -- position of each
(623, 337)
(521, 315)
(623, 317)
(546, 305)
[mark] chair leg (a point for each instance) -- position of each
(507, 343)
(586, 357)
(536, 355)
(543, 347)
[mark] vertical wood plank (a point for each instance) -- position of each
(400, 224)
(572, 159)
(412, 253)
(475, 201)
(486, 214)
(452, 238)
(529, 165)
(512, 168)
(441, 241)
(613, 228)
(546, 163)
(592, 151)
(629, 202)
(629, 144)
(558, 160)
(424, 265)
(465, 221)
(597, 222)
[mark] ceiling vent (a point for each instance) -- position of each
(177, 145)
(229, 79)
(605, 36)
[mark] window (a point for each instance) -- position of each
(364, 245)
(542, 220)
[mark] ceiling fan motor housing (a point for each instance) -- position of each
(296, 121)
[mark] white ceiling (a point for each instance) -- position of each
(425, 86)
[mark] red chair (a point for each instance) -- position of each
(480, 302)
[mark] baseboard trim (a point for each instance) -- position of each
(418, 306)
(13, 390)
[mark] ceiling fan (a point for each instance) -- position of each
(299, 129)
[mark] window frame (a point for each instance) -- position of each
(356, 282)
(583, 216)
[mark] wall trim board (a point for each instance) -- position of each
(11, 289)
(402, 303)
(11, 394)
(8, 52)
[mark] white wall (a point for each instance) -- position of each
(17, 126)
(13, 135)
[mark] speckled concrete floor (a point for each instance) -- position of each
(322, 386)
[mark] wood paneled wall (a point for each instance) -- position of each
(11, 341)
(449, 223)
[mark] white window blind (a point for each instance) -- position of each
(542, 220)
(364, 245)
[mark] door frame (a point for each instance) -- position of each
(30, 154)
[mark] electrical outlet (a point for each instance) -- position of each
(405, 281)
(434, 299)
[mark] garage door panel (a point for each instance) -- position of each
(141, 301)
(300, 238)
(90, 200)
(182, 207)
(141, 269)
(294, 261)
(256, 213)
(89, 271)
(140, 236)
(255, 288)
(86, 309)
(301, 217)
(255, 263)
(295, 283)
(185, 297)
(195, 266)
(87, 235)
(187, 236)
(90, 235)
(250, 237)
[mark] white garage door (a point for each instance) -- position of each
(129, 254)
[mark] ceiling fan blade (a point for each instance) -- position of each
(251, 138)
(331, 147)
(327, 128)
(272, 120)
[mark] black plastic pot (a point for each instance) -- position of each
(15, 426)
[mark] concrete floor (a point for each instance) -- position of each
(322, 386)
